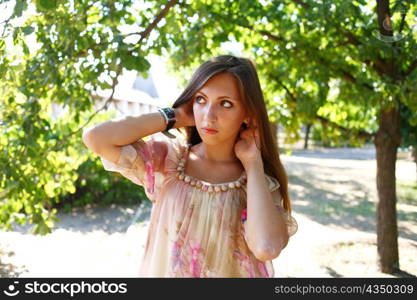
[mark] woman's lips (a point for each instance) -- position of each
(209, 131)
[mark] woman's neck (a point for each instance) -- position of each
(221, 154)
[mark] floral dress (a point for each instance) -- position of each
(196, 227)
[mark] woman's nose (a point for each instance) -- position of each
(211, 113)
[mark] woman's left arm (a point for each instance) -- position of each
(265, 227)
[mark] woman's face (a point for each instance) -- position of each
(217, 105)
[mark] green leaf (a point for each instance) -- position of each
(46, 4)
(138, 63)
(16, 34)
(27, 30)
(25, 48)
(3, 70)
(20, 6)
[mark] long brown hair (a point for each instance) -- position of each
(252, 98)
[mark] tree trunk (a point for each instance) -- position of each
(387, 141)
(306, 136)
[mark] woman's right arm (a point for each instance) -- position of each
(107, 138)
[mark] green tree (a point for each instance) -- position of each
(80, 48)
(347, 65)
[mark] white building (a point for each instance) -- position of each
(135, 95)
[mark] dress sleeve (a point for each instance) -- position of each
(292, 224)
(290, 221)
(143, 163)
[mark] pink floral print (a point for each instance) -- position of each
(210, 241)
(149, 169)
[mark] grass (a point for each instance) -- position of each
(407, 191)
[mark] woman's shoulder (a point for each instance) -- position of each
(168, 150)
(175, 146)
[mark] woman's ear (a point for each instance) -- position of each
(245, 123)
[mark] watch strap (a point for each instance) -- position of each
(170, 119)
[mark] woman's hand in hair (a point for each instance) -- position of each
(185, 115)
(246, 146)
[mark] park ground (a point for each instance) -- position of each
(333, 194)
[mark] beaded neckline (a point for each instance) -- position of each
(204, 185)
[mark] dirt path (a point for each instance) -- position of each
(333, 194)
(334, 202)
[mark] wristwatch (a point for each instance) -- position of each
(169, 115)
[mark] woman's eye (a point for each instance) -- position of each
(225, 101)
(196, 98)
(230, 105)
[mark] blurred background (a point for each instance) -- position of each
(339, 80)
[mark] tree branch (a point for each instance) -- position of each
(360, 133)
(379, 65)
(352, 39)
(5, 26)
(158, 18)
(345, 74)
(59, 143)
(349, 77)
(410, 68)
(303, 4)
(143, 34)
(292, 96)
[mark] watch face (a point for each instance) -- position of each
(170, 113)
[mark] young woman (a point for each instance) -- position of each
(219, 191)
